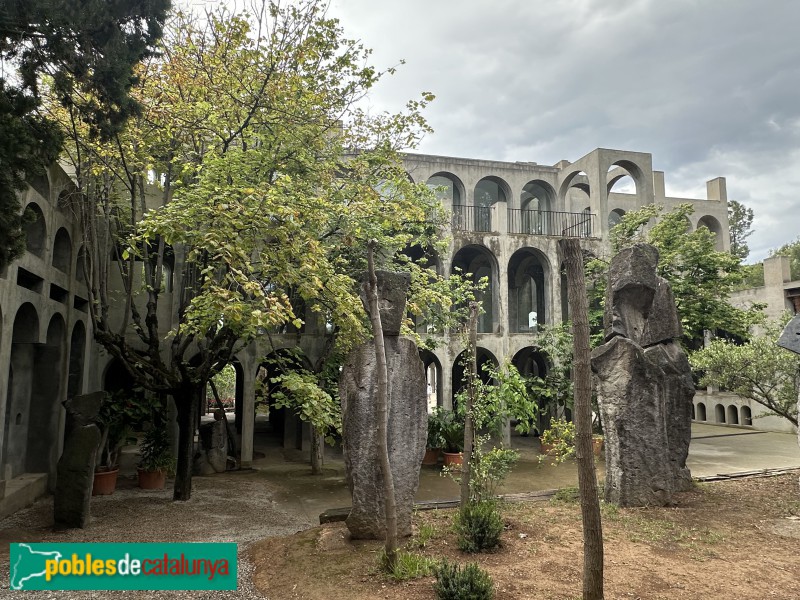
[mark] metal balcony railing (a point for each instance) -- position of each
(561, 224)
(472, 218)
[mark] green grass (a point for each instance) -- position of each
(408, 566)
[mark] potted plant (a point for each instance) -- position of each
(452, 432)
(559, 440)
(114, 423)
(156, 460)
(435, 441)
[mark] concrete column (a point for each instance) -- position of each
(499, 217)
(659, 189)
(716, 189)
(248, 416)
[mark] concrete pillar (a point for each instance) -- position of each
(716, 189)
(659, 189)
(499, 218)
(248, 416)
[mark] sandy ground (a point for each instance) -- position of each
(233, 507)
(726, 540)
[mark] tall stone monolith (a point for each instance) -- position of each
(407, 420)
(644, 384)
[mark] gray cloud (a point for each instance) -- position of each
(709, 88)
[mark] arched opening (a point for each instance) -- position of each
(21, 375)
(527, 274)
(45, 404)
(77, 347)
(701, 411)
(35, 230)
(282, 424)
(62, 251)
(619, 180)
(488, 192)
(486, 361)
(450, 192)
(433, 378)
(476, 262)
(733, 415)
(531, 362)
(427, 259)
(448, 188)
(535, 216)
(575, 191)
(714, 227)
(747, 416)
(719, 413)
(614, 217)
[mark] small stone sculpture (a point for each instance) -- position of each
(75, 474)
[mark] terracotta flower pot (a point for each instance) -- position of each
(547, 448)
(597, 446)
(431, 457)
(152, 480)
(453, 459)
(104, 482)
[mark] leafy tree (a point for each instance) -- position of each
(758, 370)
(702, 278)
(270, 183)
(87, 49)
(740, 224)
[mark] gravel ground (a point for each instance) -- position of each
(233, 507)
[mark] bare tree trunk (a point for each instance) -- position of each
(317, 451)
(187, 403)
(228, 428)
(582, 413)
(383, 413)
(469, 434)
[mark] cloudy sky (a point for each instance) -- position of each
(708, 87)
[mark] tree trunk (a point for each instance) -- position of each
(382, 406)
(187, 403)
(469, 434)
(317, 451)
(582, 414)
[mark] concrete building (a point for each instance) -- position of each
(781, 295)
(506, 220)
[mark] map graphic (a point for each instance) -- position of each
(27, 563)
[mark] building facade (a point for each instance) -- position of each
(506, 220)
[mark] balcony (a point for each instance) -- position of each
(472, 218)
(554, 223)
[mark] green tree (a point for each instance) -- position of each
(269, 183)
(758, 370)
(740, 224)
(702, 278)
(87, 49)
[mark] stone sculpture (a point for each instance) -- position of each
(407, 421)
(644, 384)
(75, 472)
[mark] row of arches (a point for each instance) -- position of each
(40, 375)
(732, 415)
(36, 240)
(528, 286)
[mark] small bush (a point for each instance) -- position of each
(479, 526)
(408, 566)
(469, 583)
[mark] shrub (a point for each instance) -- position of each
(469, 583)
(479, 526)
(408, 565)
